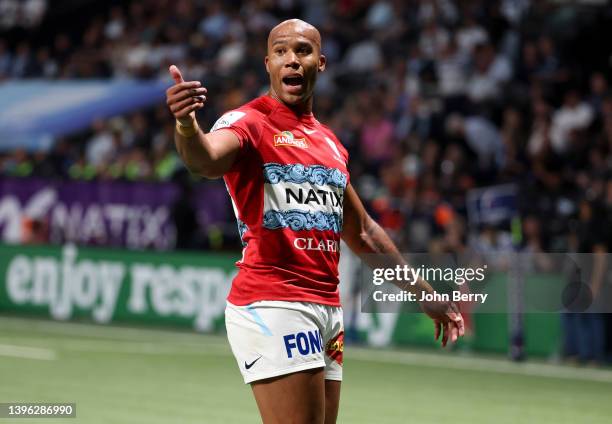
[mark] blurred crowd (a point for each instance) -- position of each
(432, 98)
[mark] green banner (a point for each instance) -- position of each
(103, 285)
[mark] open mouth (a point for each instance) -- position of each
(296, 81)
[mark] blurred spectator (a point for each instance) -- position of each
(100, 146)
(17, 164)
(491, 71)
(137, 167)
(482, 136)
(584, 332)
(550, 68)
(21, 13)
(470, 34)
(573, 116)
(22, 61)
(81, 169)
(115, 26)
(539, 140)
(377, 138)
(433, 39)
(451, 71)
(599, 90)
(514, 140)
(362, 56)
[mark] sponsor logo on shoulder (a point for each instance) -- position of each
(227, 119)
(286, 139)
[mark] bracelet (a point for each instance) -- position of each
(187, 131)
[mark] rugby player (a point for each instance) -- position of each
(287, 177)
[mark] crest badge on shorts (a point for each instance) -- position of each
(335, 348)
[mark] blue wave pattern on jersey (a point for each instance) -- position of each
(242, 228)
(300, 220)
(297, 173)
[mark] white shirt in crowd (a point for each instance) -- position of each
(568, 119)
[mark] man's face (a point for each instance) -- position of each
(293, 61)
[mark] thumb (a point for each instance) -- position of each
(176, 74)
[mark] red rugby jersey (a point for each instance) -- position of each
(287, 188)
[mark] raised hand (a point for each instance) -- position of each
(184, 98)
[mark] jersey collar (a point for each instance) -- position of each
(279, 107)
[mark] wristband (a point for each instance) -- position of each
(187, 131)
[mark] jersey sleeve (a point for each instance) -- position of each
(339, 146)
(343, 152)
(243, 123)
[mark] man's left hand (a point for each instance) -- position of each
(447, 320)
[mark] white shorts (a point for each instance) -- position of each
(272, 338)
